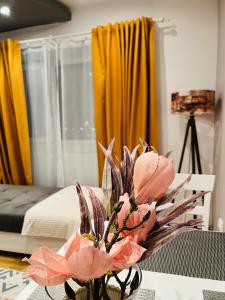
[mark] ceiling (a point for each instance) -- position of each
(15, 14)
(27, 13)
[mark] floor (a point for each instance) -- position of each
(12, 261)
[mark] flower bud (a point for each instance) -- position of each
(153, 174)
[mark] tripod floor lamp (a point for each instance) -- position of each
(195, 102)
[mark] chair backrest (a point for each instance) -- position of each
(198, 182)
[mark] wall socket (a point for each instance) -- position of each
(220, 225)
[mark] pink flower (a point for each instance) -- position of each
(85, 261)
(125, 253)
(75, 243)
(135, 218)
(47, 267)
(153, 174)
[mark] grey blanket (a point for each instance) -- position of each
(15, 201)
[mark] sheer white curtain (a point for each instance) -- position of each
(58, 83)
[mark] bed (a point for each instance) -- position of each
(31, 217)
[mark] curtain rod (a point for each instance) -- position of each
(87, 33)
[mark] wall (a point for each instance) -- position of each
(219, 154)
(186, 55)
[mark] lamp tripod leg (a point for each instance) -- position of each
(197, 148)
(184, 145)
(193, 144)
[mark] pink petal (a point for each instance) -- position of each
(125, 253)
(140, 234)
(72, 245)
(145, 165)
(160, 182)
(43, 277)
(125, 208)
(75, 243)
(47, 267)
(45, 257)
(37, 256)
(56, 262)
(154, 186)
(89, 263)
(135, 218)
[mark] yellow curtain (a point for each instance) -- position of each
(15, 161)
(124, 85)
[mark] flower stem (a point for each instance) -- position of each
(47, 292)
(104, 290)
(123, 284)
(88, 291)
(97, 286)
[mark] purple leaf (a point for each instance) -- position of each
(134, 153)
(159, 238)
(160, 233)
(170, 196)
(144, 145)
(155, 246)
(167, 155)
(179, 209)
(85, 225)
(99, 213)
(126, 170)
(107, 176)
(117, 189)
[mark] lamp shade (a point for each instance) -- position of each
(200, 101)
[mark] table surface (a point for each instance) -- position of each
(167, 286)
(194, 254)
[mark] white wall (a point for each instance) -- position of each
(187, 53)
(219, 154)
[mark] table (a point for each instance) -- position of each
(204, 263)
(167, 286)
(194, 254)
(176, 287)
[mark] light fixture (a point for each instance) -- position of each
(5, 11)
(195, 102)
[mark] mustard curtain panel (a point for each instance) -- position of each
(15, 161)
(124, 85)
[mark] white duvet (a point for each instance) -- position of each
(58, 216)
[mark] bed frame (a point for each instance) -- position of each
(15, 201)
(15, 242)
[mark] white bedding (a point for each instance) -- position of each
(58, 216)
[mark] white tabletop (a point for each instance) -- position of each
(167, 286)
(176, 287)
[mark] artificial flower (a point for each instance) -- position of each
(129, 236)
(47, 267)
(153, 174)
(139, 234)
(75, 243)
(125, 253)
(85, 261)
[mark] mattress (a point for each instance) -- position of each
(58, 216)
(15, 201)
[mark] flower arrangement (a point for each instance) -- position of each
(138, 221)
